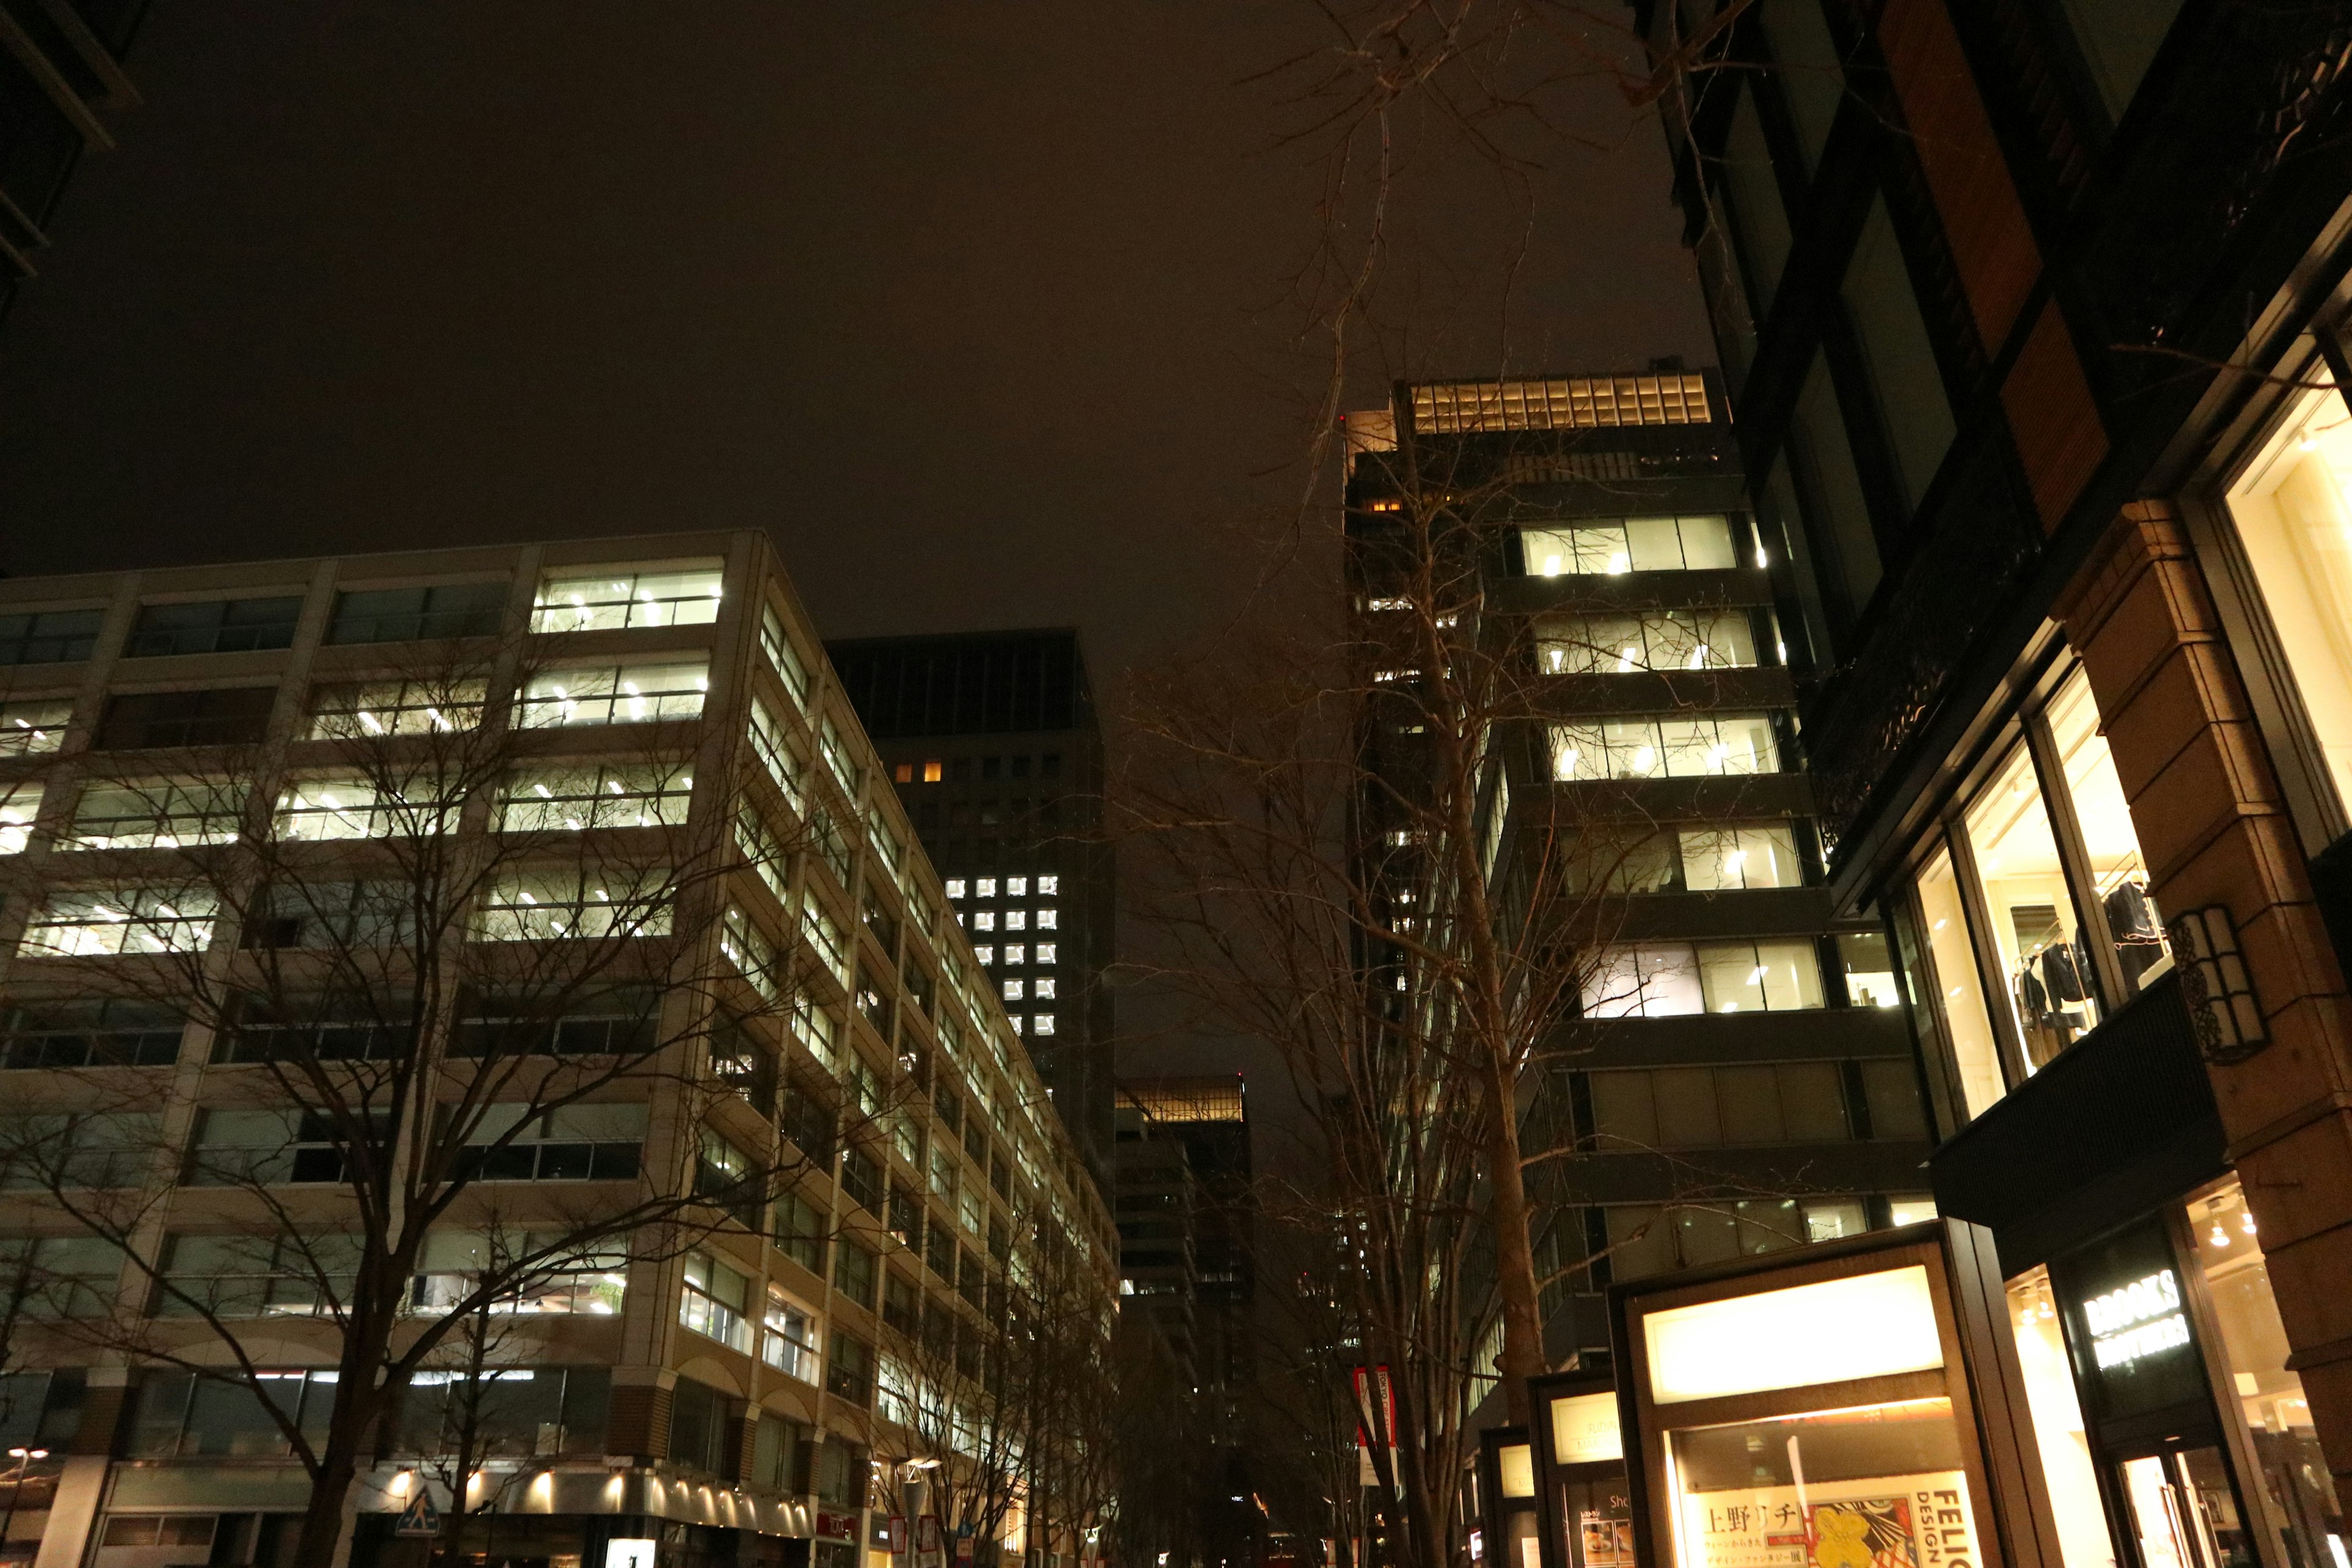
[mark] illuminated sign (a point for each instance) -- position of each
(2140, 1319)
(1584, 1429)
(1866, 1325)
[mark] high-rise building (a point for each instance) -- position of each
(995, 747)
(2033, 315)
(708, 915)
(1735, 1074)
(1207, 1119)
(60, 73)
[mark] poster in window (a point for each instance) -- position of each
(1919, 1521)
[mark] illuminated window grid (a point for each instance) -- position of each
(1577, 403)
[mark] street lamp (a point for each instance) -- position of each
(24, 1458)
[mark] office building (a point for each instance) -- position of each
(211, 775)
(1733, 1075)
(2032, 315)
(61, 82)
(996, 749)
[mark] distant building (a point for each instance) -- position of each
(1208, 1118)
(993, 741)
(60, 67)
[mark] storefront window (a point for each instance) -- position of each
(2295, 521)
(2118, 872)
(2293, 1491)
(1870, 1485)
(2043, 956)
(2058, 1432)
(1961, 996)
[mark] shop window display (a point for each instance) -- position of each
(2110, 845)
(2294, 1492)
(2045, 955)
(2292, 509)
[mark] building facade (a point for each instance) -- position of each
(2030, 313)
(741, 1391)
(996, 749)
(1733, 1075)
(61, 79)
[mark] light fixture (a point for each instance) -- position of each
(2220, 1237)
(2246, 1221)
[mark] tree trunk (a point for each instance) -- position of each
(322, 1525)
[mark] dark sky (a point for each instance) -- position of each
(981, 309)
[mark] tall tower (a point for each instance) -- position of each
(995, 745)
(1736, 1074)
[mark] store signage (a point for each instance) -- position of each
(836, 1526)
(1869, 1325)
(632, 1553)
(1584, 1429)
(1515, 1467)
(2140, 1319)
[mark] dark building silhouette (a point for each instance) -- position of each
(61, 70)
(995, 745)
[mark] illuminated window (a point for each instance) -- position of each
(712, 1301)
(19, 803)
(983, 919)
(162, 815)
(1677, 979)
(1628, 544)
(1043, 1024)
(775, 753)
(1047, 920)
(903, 773)
(1659, 639)
(955, 886)
(1016, 886)
(932, 771)
(1014, 990)
(987, 887)
(552, 906)
(606, 795)
(1717, 859)
(601, 598)
(1045, 952)
(1016, 920)
(985, 954)
(623, 694)
(1048, 887)
(86, 924)
(1677, 746)
(1043, 988)
(1017, 954)
(394, 707)
(322, 809)
(30, 728)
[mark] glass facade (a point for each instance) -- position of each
(2033, 911)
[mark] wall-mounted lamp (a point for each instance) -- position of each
(2222, 1008)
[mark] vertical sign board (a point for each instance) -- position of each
(1375, 1409)
(1818, 1409)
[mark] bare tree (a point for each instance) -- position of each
(1376, 847)
(432, 953)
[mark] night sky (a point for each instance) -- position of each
(984, 311)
